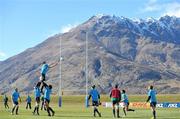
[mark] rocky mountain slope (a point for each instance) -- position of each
(132, 53)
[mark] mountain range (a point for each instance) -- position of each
(133, 53)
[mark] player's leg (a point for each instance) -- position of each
(127, 108)
(17, 108)
(52, 111)
(117, 110)
(26, 105)
(35, 108)
(43, 78)
(14, 106)
(7, 105)
(113, 107)
(98, 111)
(46, 103)
(38, 102)
(153, 108)
(124, 110)
(42, 105)
(30, 105)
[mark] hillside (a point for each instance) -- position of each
(132, 53)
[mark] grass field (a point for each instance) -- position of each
(73, 108)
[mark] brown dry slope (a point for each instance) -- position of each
(133, 54)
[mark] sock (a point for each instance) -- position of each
(124, 111)
(13, 109)
(117, 112)
(51, 109)
(154, 113)
(48, 111)
(98, 112)
(35, 109)
(114, 113)
(17, 110)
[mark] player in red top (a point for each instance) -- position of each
(115, 96)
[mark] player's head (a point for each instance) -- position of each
(16, 89)
(44, 62)
(50, 86)
(123, 91)
(151, 87)
(116, 86)
(93, 87)
(38, 84)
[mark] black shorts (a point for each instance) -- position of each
(115, 102)
(38, 99)
(153, 104)
(46, 101)
(43, 77)
(15, 102)
(95, 103)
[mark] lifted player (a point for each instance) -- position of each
(44, 69)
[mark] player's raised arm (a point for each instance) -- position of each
(54, 64)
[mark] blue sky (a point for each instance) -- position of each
(25, 23)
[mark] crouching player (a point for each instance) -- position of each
(153, 100)
(115, 96)
(15, 96)
(47, 93)
(95, 100)
(124, 99)
(37, 94)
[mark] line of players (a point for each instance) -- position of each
(37, 93)
(116, 97)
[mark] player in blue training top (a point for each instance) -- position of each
(125, 100)
(37, 95)
(44, 69)
(15, 96)
(94, 94)
(28, 102)
(47, 95)
(153, 100)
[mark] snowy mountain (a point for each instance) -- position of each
(131, 52)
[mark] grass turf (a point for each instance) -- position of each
(73, 108)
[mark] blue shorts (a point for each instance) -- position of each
(126, 103)
(153, 104)
(46, 100)
(15, 102)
